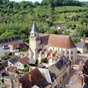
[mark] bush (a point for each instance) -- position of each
(75, 40)
(44, 60)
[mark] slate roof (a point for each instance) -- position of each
(85, 86)
(1, 67)
(61, 62)
(63, 41)
(80, 45)
(42, 83)
(4, 63)
(55, 69)
(36, 79)
(11, 39)
(34, 28)
(14, 60)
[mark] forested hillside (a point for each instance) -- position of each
(17, 18)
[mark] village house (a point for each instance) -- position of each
(49, 76)
(32, 80)
(82, 47)
(18, 46)
(10, 40)
(18, 62)
(6, 44)
(61, 69)
(29, 80)
(50, 45)
(12, 82)
(12, 70)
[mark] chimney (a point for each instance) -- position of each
(29, 77)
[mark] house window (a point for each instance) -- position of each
(72, 58)
(67, 57)
(67, 52)
(71, 52)
(58, 49)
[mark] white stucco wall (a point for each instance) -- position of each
(19, 65)
(72, 52)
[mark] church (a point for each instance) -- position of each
(50, 46)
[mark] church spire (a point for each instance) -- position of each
(34, 28)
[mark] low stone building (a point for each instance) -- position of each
(34, 79)
(18, 62)
(61, 69)
(82, 46)
(12, 82)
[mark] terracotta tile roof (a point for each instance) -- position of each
(19, 45)
(63, 41)
(36, 79)
(12, 68)
(24, 60)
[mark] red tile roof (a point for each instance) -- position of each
(63, 41)
(24, 60)
(12, 68)
(19, 45)
(36, 77)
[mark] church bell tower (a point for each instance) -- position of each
(34, 41)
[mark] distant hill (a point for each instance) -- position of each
(17, 18)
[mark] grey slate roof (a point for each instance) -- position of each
(43, 83)
(1, 67)
(11, 39)
(34, 28)
(4, 63)
(61, 62)
(13, 60)
(55, 69)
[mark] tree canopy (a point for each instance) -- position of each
(17, 18)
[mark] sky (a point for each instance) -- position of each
(36, 0)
